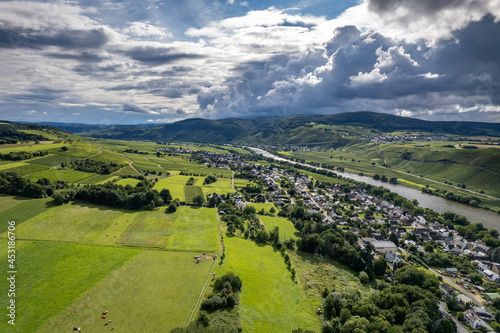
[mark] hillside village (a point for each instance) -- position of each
(393, 231)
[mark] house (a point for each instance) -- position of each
(487, 273)
(482, 313)
(393, 258)
(384, 246)
(447, 289)
(473, 320)
(491, 296)
(461, 298)
(451, 270)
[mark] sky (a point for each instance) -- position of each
(130, 62)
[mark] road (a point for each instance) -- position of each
(131, 164)
(477, 299)
(460, 327)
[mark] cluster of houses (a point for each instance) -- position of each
(404, 137)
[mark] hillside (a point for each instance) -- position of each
(11, 133)
(294, 129)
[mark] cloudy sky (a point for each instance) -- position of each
(126, 62)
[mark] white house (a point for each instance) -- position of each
(473, 320)
(384, 247)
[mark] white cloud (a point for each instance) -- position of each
(367, 78)
(144, 29)
(32, 112)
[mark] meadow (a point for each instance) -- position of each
(221, 186)
(136, 303)
(24, 169)
(286, 228)
(53, 160)
(270, 300)
(97, 179)
(20, 209)
(175, 184)
(128, 181)
(188, 229)
(69, 175)
(54, 275)
(191, 192)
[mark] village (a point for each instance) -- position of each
(393, 232)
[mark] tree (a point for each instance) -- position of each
(345, 315)
(355, 324)
(394, 238)
(172, 208)
(275, 235)
(447, 326)
(262, 236)
(166, 196)
(380, 266)
(203, 319)
(231, 229)
(64, 148)
(198, 200)
(460, 316)
(476, 278)
(363, 277)
(272, 210)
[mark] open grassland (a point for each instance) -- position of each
(316, 273)
(79, 223)
(20, 209)
(174, 184)
(287, 229)
(270, 300)
(53, 160)
(26, 169)
(53, 276)
(153, 292)
(128, 181)
(188, 229)
(69, 175)
(221, 186)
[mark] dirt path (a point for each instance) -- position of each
(159, 166)
(98, 153)
(232, 181)
(385, 157)
(131, 164)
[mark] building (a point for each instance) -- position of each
(473, 320)
(491, 296)
(384, 246)
(451, 270)
(447, 289)
(461, 298)
(483, 313)
(393, 258)
(488, 273)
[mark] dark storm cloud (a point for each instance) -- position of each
(66, 39)
(421, 6)
(134, 109)
(80, 56)
(156, 56)
(299, 24)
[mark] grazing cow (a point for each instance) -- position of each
(106, 324)
(109, 321)
(103, 317)
(112, 328)
(106, 235)
(105, 312)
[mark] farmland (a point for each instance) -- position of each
(287, 230)
(20, 209)
(188, 229)
(71, 176)
(264, 273)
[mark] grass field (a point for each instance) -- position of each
(240, 182)
(317, 273)
(144, 295)
(191, 192)
(79, 223)
(20, 209)
(97, 179)
(287, 229)
(178, 163)
(188, 229)
(71, 176)
(174, 184)
(126, 171)
(30, 147)
(221, 186)
(266, 206)
(142, 164)
(128, 181)
(270, 300)
(54, 275)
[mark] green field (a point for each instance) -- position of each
(221, 186)
(54, 275)
(71, 176)
(27, 169)
(188, 229)
(266, 206)
(287, 230)
(97, 179)
(20, 209)
(126, 171)
(53, 160)
(128, 181)
(142, 163)
(270, 300)
(136, 303)
(79, 223)
(31, 147)
(174, 184)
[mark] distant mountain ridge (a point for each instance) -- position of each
(276, 129)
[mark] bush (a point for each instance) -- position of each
(363, 277)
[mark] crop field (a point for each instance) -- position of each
(97, 179)
(188, 229)
(54, 275)
(111, 156)
(126, 171)
(191, 192)
(287, 229)
(264, 273)
(53, 160)
(80, 150)
(240, 182)
(221, 186)
(174, 184)
(71, 176)
(177, 163)
(136, 303)
(79, 223)
(20, 209)
(128, 181)
(26, 169)
(142, 164)
(29, 147)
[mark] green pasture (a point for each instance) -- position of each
(126, 171)
(53, 160)
(29, 147)
(76, 150)
(52, 276)
(191, 192)
(142, 164)
(221, 186)
(240, 182)
(270, 300)
(188, 229)
(175, 184)
(20, 209)
(287, 229)
(266, 206)
(153, 292)
(111, 156)
(79, 223)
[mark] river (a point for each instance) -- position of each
(438, 204)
